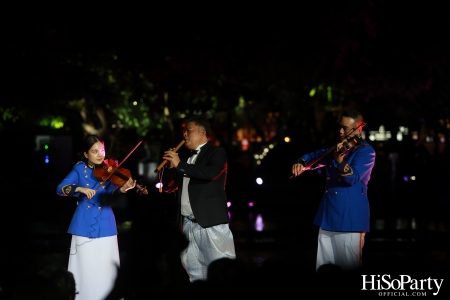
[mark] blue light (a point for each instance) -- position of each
(46, 159)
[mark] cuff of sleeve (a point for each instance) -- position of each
(69, 190)
(118, 190)
(345, 169)
(181, 168)
(301, 161)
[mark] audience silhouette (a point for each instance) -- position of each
(150, 266)
(51, 283)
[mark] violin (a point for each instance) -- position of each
(347, 144)
(109, 170)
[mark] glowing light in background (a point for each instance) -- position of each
(158, 185)
(251, 204)
(47, 160)
(287, 139)
(244, 144)
(259, 223)
(111, 78)
(402, 131)
(363, 134)
(380, 135)
(413, 178)
(57, 123)
(401, 224)
(118, 125)
(263, 152)
(53, 122)
(405, 178)
(145, 169)
(259, 180)
(228, 204)
(380, 224)
(125, 226)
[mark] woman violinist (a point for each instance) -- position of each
(94, 252)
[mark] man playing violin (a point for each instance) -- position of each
(343, 215)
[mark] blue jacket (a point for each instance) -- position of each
(90, 219)
(344, 205)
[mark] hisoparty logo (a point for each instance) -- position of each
(404, 285)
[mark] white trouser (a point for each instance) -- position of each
(205, 245)
(343, 249)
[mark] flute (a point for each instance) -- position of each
(165, 161)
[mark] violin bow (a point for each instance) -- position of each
(310, 164)
(354, 129)
(123, 160)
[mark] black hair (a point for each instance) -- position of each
(355, 115)
(200, 121)
(87, 144)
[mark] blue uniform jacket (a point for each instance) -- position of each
(90, 218)
(344, 205)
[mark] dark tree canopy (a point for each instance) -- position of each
(303, 62)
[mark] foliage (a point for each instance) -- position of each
(366, 55)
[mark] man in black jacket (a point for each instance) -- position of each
(199, 181)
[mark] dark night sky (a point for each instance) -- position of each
(382, 32)
(389, 56)
(392, 57)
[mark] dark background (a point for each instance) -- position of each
(388, 60)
